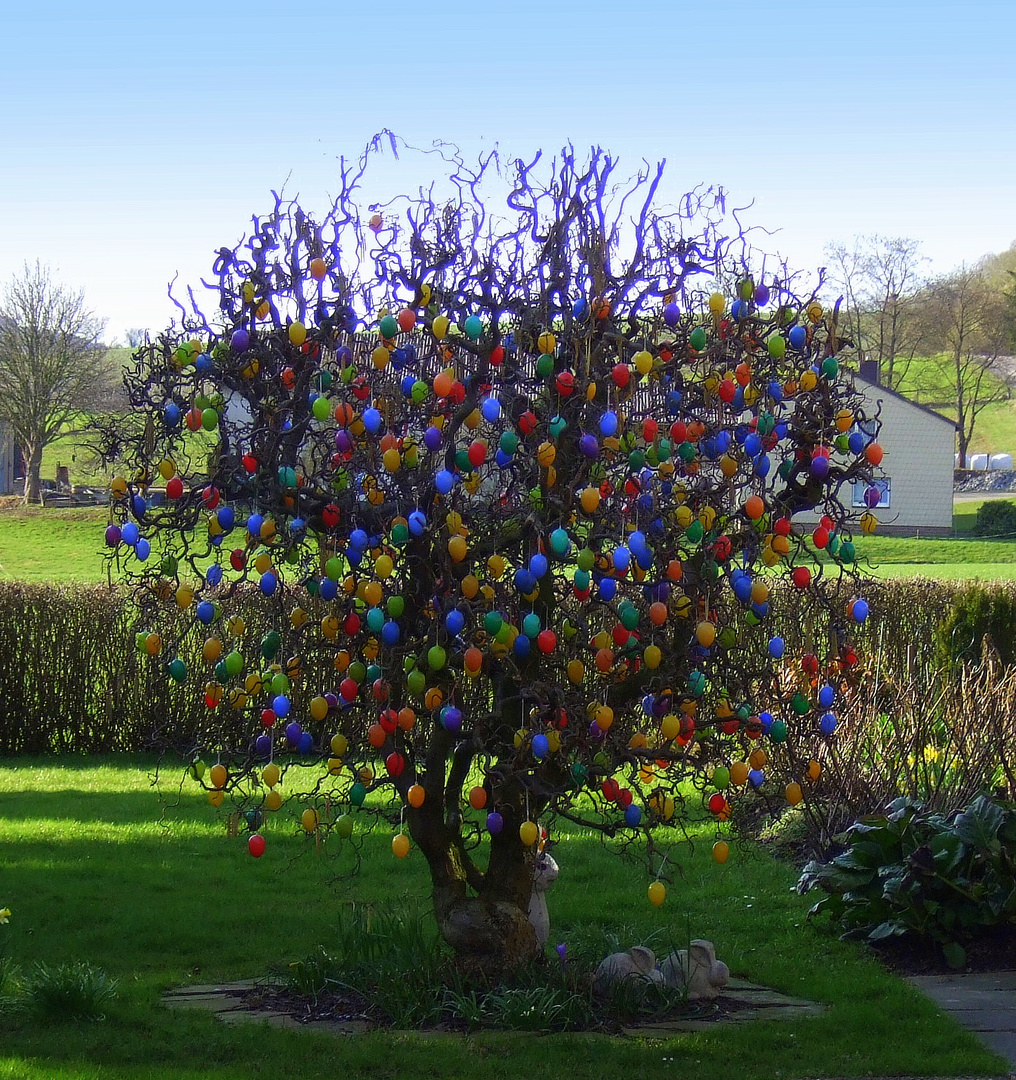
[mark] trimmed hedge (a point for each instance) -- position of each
(72, 680)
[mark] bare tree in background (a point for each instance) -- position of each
(53, 366)
(881, 282)
(967, 318)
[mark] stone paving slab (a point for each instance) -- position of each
(982, 1002)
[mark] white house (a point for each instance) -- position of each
(917, 466)
(8, 459)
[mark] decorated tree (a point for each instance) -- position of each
(506, 493)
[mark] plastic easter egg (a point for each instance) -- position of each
(256, 845)
(400, 845)
(477, 797)
(495, 823)
(529, 833)
(657, 893)
(721, 851)
(473, 327)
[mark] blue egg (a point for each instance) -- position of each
(417, 522)
(608, 588)
(130, 533)
(538, 565)
(281, 706)
(206, 611)
(254, 523)
(140, 506)
(213, 575)
(860, 610)
(491, 409)
(225, 518)
(766, 720)
(297, 526)
(762, 466)
(742, 588)
(776, 647)
(407, 384)
(541, 746)
(142, 549)
(827, 723)
(372, 420)
(826, 696)
(797, 337)
(329, 589)
(855, 441)
(454, 621)
(444, 481)
(501, 459)
(622, 558)
(269, 583)
(756, 778)
(521, 646)
(632, 815)
(580, 309)
(390, 633)
(525, 580)
(306, 743)
(775, 391)
(171, 415)
(531, 625)
(752, 444)
(608, 423)
(358, 540)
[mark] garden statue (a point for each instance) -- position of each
(637, 963)
(696, 970)
(544, 875)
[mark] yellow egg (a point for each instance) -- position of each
(271, 774)
(721, 851)
(794, 794)
(273, 800)
(318, 708)
(717, 303)
(339, 745)
(529, 833)
(400, 845)
(657, 893)
(309, 819)
(384, 567)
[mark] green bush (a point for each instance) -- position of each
(939, 876)
(974, 613)
(996, 517)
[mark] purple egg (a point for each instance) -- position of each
(671, 314)
(293, 733)
(240, 340)
(820, 467)
(495, 823)
(871, 497)
(451, 719)
(263, 745)
(333, 701)
(762, 295)
(588, 446)
(113, 536)
(343, 442)
(595, 731)
(432, 438)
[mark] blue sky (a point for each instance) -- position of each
(134, 143)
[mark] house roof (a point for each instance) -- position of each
(878, 388)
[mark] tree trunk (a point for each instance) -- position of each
(484, 917)
(33, 474)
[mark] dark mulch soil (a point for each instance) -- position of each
(992, 951)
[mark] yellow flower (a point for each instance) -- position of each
(5, 914)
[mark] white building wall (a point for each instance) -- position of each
(919, 448)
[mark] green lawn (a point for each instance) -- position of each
(62, 546)
(96, 868)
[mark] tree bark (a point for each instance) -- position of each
(33, 474)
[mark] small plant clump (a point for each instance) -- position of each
(941, 877)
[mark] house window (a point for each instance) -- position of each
(860, 486)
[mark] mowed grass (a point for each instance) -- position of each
(98, 867)
(65, 546)
(59, 545)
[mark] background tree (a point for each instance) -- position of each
(881, 282)
(967, 318)
(501, 488)
(52, 363)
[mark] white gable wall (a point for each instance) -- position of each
(919, 447)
